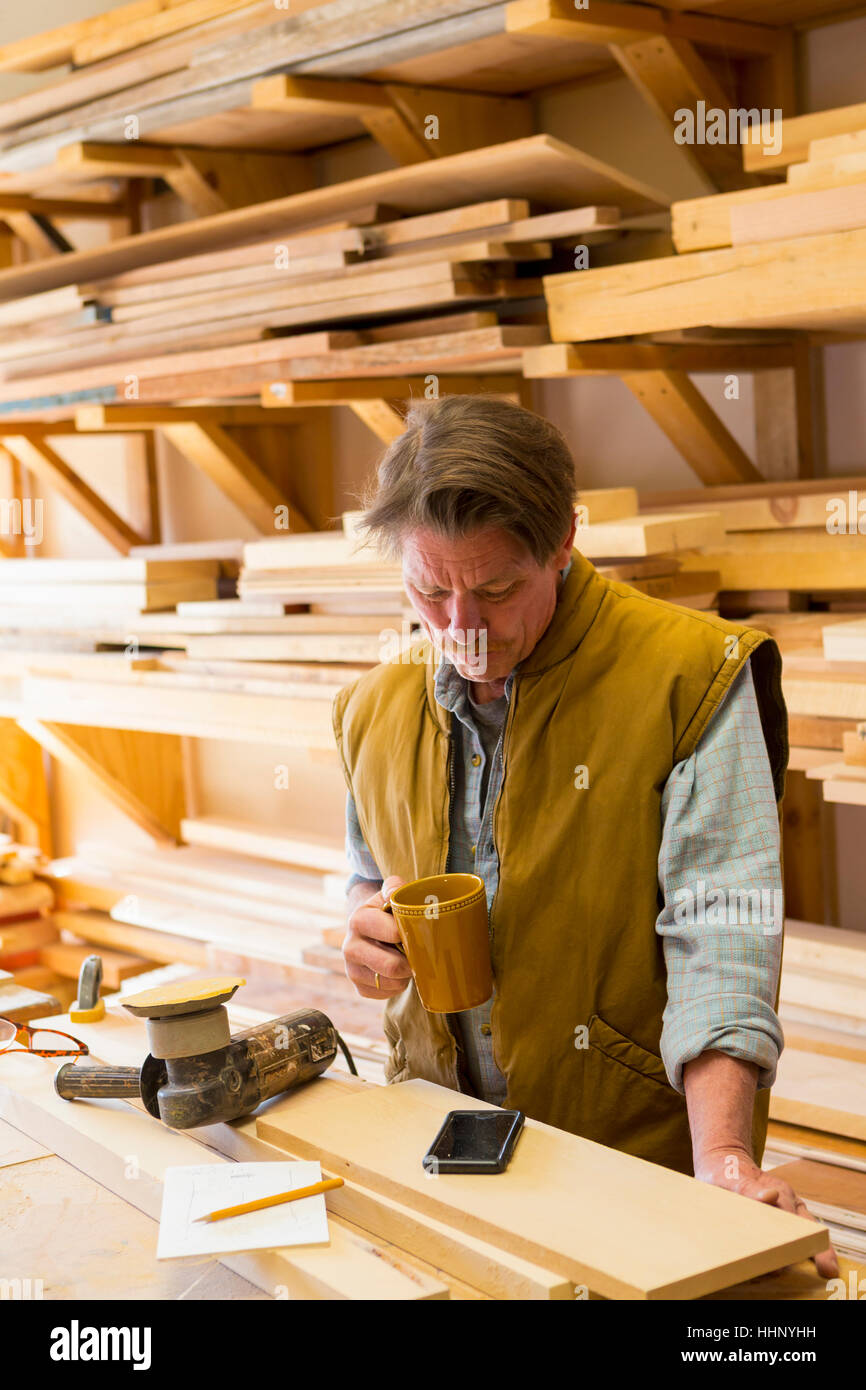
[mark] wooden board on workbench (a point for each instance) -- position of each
(550, 1205)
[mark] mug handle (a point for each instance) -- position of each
(396, 945)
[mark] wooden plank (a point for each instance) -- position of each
(47, 50)
(101, 930)
(803, 214)
(782, 492)
(117, 966)
(661, 533)
(23, 899)
(539, 167)
(760, 286)
(203, 712)
(86, 84)
(284, 647)
(619, 359)
(131, 571)
(548, 1206)
(235, 357)
(797, 134)
(779, 512)
(117, 598)
(307, 851)
(843, 641)
(22, 1004)
(820, 1092)
(131, 32)
(26, 936)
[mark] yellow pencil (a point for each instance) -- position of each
(261, 1202)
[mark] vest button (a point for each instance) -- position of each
(486, 1029)
(476, 759)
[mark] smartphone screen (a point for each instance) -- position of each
(479, 1139)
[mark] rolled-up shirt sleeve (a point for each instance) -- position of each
(721, 880)
(361, 861)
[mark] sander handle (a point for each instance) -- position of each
(72, 1082)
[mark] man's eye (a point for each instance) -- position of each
(503, 593)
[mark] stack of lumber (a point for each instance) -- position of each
(645, 552)
(24, 926)
(351, 294)
(766, 242)
(39, 962)
(26, 929)
(323, 277)
(836, 1196)
(836, 682)
(320, 568)
(234, 899)
(144, 643)
(124, 587)
(821, 1078)
(799, 536)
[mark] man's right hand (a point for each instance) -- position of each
(371, 944)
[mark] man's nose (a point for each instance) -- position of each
(464, 617)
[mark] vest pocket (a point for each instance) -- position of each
(619, 1048)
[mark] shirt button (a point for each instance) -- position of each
(476, 759)
(486, 1029)
(473, 849)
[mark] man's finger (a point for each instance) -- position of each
(372, 956)
(825, 1261)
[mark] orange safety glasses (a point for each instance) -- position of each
(39, 1041)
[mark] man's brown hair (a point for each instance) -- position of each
(465, 462)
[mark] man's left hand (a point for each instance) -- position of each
(738, 1172)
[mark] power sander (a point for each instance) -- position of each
(198, 1074)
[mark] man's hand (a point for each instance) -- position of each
(371, 945)
(736, 1170)
(720, 1094)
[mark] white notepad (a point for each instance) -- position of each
(191, 1192)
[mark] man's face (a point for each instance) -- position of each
(482, 600)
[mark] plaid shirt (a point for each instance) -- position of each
(720, 838)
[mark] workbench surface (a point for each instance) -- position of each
(84, 1242)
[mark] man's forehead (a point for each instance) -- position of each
(489, 555)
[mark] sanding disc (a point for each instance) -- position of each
(183, 996)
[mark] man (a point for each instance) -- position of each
(611, 766)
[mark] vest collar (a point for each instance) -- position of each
(577, 605)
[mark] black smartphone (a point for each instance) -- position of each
(474, 1141)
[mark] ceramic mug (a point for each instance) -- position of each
(444, 930)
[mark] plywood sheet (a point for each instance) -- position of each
(625, 1228)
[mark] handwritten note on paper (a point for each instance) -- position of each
(191, 1192)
